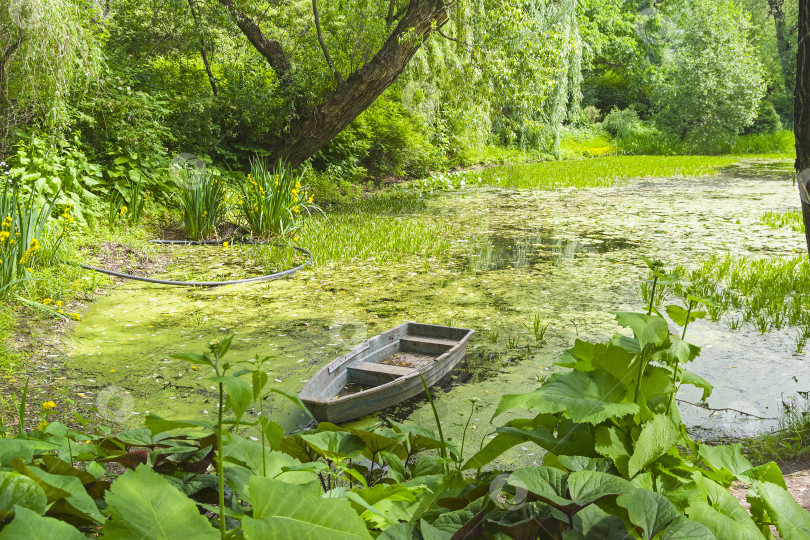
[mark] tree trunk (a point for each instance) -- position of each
(783, 43)
(801, 112)
(315, 127)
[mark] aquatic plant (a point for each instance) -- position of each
(22, 233)
(537, 329)
(202, 194)
(272, 201)
(771, 292)
(777, 220)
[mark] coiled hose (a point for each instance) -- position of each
(267, 277)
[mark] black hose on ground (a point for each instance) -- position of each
(267, 277)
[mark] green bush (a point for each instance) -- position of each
(621, 123)
(767, 120)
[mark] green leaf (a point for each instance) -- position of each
(376, 443)
(726, 460)
(687, 377)
(19, 490)
(31, 526)
(586, 487)
(767, 472)
(15, 448)
(141, 505)
(683, 528)
(791, 520)
(273, 432)
(656, 438)
(720, 511)
(648, 510)
(582, 397)
(335, 445)
(160, 425)
(193, 358)
(63, 488)
(648, 329)
(240, 394)
(550, 485)
(679, 315)
(258, 381)
(611, 442)
(283, 510)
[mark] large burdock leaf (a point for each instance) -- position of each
(683, 528)
(19, 490)
(31, 526)
(286, 511)
(582, 397)
(657, 436)
(586, 487)
(144, 505)
(791, 520)
(647, 510)
(648, 329)
(720, 511)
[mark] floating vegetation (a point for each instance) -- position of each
(777, 220)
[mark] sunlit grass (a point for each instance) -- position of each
(599, 172)
(771, 293)
(777, 220)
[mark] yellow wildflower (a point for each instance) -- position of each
(4, 236)
(225, 244)
(48, 405)
(295, 239)
(42, 425)
(309, 200)
(296, 209)
(59, 303)
(123, 210)
(76, 316)
(47, 301)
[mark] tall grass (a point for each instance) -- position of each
(344, 237)
(597, 172)
(770, 292)
(777, 220)
(22, 230)
(201, 196)
(272, 201)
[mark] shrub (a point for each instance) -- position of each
(767, 120)
(621, 123)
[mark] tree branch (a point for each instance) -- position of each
(329, 61)
(271, 50)
(211, 78)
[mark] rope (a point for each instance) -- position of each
(267, 277)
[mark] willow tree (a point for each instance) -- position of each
(49, 54)
(388, 35)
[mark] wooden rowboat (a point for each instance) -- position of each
(384, 370)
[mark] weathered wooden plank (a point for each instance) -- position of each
(371, 374)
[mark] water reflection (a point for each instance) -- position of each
(522, 249)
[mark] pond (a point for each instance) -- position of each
(567, 256)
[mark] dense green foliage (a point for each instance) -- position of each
(610, 426)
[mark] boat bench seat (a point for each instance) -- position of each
(426, 345)
(372, 374)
